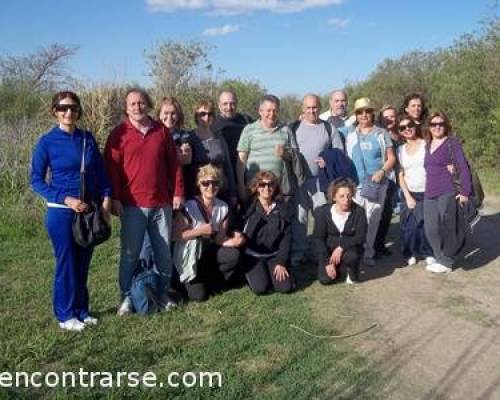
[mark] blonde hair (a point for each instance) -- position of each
(338, 184)
(209, 171)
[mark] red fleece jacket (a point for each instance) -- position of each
(143, 169)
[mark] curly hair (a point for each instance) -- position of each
(338, 184)
(261, 176)
(209, 171)
(415, 96)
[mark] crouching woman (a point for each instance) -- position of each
(268, 233)
(204, 255)
(339, 233)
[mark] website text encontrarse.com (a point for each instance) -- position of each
(102, 379)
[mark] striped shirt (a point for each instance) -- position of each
(260, 145)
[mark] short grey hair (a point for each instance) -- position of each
(145, 95)
(271, 99)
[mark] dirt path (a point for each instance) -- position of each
(437, 337)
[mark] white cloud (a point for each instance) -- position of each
(340, 23)
(234, 7)
(221, 30)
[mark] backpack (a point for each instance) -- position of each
(144, 290)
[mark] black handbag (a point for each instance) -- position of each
(90, 228)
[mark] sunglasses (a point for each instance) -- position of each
(365, 110)
(266, 184)
(205, 114)
(404, 127)
(436, 124)
(65, 107)
(208, 183)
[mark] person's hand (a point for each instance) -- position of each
(462, 200)
(106, 209)
(177, 202)
(378, 176)
(321, 162)
(280, 273)
(336, 256)
(75, 204)
(206, 230)
(280, 151)
(238, 239)
(117, 208)
(410, 202)
(331, 271)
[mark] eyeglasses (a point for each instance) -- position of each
(65, 107)
(437, 124)
(404, 127)
(205, 114)
(210, 182)
(264, 184)
(364, 111)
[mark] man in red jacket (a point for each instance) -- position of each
(146, 182)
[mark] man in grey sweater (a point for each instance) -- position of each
(313, 136)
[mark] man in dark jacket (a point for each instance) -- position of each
(230, 123)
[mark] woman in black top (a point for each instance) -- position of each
(339, 234)
(268, 233)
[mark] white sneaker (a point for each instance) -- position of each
(412, 261)
(438, 268)
(125, 307)
(170, 305)
(348, 280)
(430, 260)
(72, 325)
(90, 320)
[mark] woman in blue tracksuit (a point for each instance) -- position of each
(60, 151)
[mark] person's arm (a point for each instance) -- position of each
(174, 170)
(113, 161)
(410, 201)
(228, 167)
(284, 245)
(463, 169)
(184, 231)
(320, 235)
(39, 168)
(240, 174)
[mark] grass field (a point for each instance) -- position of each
(247, 339)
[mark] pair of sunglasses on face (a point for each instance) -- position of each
(404, 127)
(264, 184)
(208, 183)
(65, 107)
(202, 114)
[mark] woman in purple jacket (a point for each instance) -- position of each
(442, 200)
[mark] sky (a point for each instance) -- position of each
(288, 46)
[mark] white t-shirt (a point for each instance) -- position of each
(339, 219)
(413, 167)
(219, 213)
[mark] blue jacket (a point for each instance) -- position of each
(338, 165)
(61, 153)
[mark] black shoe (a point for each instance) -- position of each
(382, 252)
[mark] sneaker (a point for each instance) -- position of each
(348, 280)
(90, 320)
(72, 325)
(368, 261)
(125, 307)
(438, 268)
(170, 305)
(412, 261)
(430, 260)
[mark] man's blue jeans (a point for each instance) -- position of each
(136, 221)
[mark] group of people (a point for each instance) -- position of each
(229, 201)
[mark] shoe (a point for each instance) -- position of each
(438, 268)
(125, 307)
(430, 260)
(412, 261)
(90, 320)
(72, 325)
(368, 261)
(348, 280)
(170, 305)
